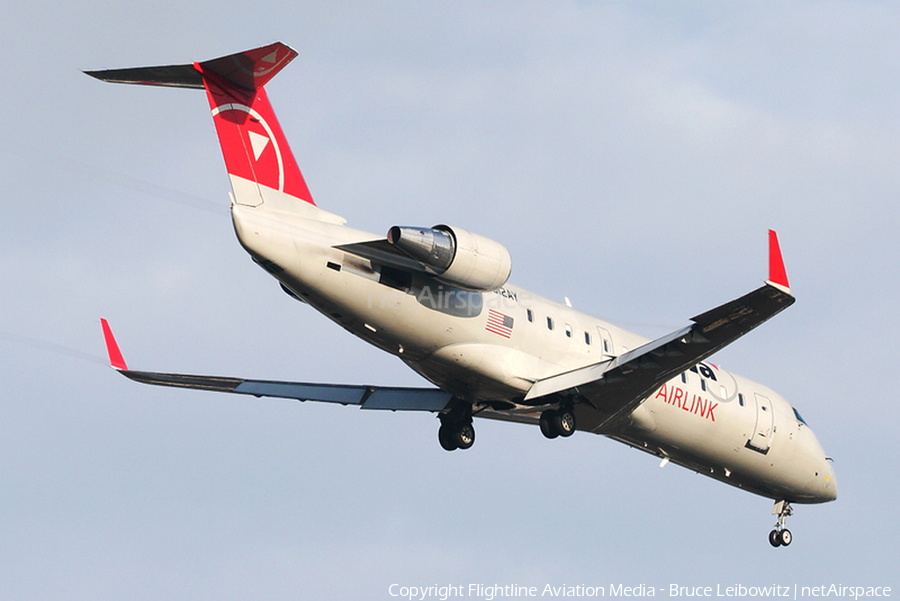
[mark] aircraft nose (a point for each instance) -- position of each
(822, 487)
(830, 482)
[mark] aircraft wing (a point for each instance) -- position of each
(366, 397)
(614, 388)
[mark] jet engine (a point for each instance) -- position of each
(455, 256)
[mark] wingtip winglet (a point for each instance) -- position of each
(116, 361)
(777, 272)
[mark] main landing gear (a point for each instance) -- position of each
(781, 536)
(558, 422)
(457, 431)
(460, 435)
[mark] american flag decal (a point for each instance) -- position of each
(499, 324)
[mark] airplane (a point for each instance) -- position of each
(438, 298)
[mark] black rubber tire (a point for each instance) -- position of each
(447, 438)
(564, 422)
(547, 428)
(775, 538)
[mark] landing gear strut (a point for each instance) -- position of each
(558, 422)
(781, 536)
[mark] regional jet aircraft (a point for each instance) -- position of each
(438, 299)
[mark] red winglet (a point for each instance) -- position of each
(777, 272)
(115, 355)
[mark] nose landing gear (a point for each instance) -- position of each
(781, 536)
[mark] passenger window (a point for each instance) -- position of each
(549, 323)
(740, 399)
(587, 337)
(568, 330)
(529, 314)
(684, 377)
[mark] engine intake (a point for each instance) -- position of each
(457, 256)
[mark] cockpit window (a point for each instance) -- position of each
(799, 417)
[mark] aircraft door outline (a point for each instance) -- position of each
(607, 349)
(765, 422)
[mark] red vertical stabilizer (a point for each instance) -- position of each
(257, 154)
(252, 141)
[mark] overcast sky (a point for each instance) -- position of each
(630, 155)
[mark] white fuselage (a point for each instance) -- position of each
(709, 420)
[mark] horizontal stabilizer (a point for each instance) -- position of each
(175, 76)
(249, 70)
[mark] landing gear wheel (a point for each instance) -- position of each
(775, 538)
(781, 536)
(547, 427)
(464, 436)
(447, 438)
(456, 431)
(564, 422)
(786, 537)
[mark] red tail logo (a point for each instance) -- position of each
(252, 141)
(257, 155)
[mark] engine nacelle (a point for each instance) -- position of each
(457, 257)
